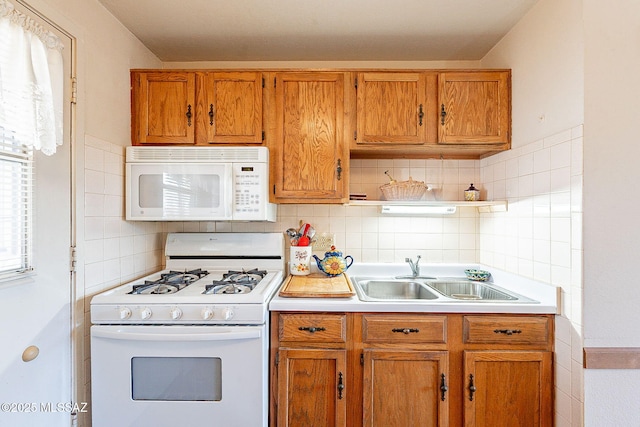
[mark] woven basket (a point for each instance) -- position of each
(403, 190)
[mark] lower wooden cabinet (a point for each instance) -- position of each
(405, 388)
(311, 388)
(408, 369)
(508, 388)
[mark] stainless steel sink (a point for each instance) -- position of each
(451, 290)
(468, 290)
(393, 290)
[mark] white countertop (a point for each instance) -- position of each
(546, 296)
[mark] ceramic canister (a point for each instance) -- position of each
(299, 260)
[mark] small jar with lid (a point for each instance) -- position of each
(472, 194)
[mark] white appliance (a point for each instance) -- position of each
(189, 345)
(198, 184)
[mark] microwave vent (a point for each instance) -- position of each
(197, 154)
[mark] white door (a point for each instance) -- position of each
(36, 313)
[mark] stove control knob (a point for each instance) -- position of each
(125, 313)
(227, 313)
(207, 314)
(145, 313)
(176, 313)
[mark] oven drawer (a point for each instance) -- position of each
(312, 328)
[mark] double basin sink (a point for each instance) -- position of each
(429, 289)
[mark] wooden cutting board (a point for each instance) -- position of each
(317, 285)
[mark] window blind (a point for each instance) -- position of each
(16, 206)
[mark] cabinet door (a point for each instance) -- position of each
(311, 156)
(405, 388)
(391, 108)
(163, 108)
(474, 108)
(230, 108)
(312, 388)
(508, 388)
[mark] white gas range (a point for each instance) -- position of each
(189, 343)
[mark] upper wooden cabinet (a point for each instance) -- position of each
(316, 119)
(475, 108)
(310, 158)
(170, 107)
(392, 108)
(163, 105)
(229, 108)
(431, 114)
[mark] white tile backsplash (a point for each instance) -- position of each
(113, 255)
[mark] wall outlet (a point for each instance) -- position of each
(323, 242)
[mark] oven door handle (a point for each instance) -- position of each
(123, 334)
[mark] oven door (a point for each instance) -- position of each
(179, 375)
(179, 191)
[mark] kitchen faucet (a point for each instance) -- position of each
(415, 268)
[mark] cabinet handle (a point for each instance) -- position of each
(211, 114)
(188, 115)
(339, 169)
(443, 114)
(472, 387)
(443, 386)
(507, 331)
(406, 331)
(340, 385)
(311, 329)
(420, 116)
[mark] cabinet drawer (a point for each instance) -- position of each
(401, 328)
(313, 328)
(507, 329)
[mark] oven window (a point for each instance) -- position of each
(175, 191)
(176, 378)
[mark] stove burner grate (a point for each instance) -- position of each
(168, 283)
(236, 282)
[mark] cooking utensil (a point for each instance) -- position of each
(304, 229)
(291, 232)
(311, 232)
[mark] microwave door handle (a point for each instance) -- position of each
(119, 334)
(229, 204)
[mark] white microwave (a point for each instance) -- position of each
(198, 184)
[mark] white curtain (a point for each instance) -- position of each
(31, 81)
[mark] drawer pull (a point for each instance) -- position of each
(406, 331)
(507, 331)
(311, 329)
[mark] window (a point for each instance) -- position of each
(16, 205)
(31, 118)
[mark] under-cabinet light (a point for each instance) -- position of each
(417, 209)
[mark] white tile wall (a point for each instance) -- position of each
(540, 236)
(115, 251)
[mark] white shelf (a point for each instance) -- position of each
(484, 206)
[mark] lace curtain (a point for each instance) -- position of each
(31, 81)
